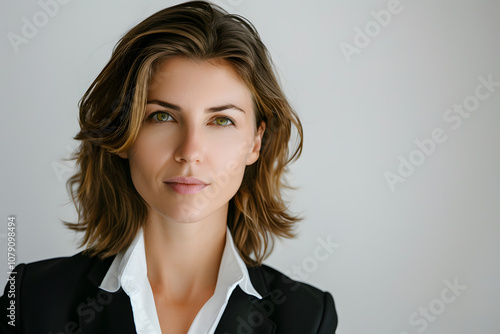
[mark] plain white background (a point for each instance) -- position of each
(392, 250)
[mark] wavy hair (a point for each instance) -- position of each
(110, 210)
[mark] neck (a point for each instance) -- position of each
(183, 259)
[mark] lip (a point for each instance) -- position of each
(185, 185)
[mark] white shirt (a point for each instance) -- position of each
(129, 271)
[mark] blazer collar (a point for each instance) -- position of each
(259, 280)
(247, 314)
(99, 270)
(105, 312)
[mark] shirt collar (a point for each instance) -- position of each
(233, 269)
(132, 263)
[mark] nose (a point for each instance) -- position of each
(189, 149)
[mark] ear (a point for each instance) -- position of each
(257, 142)
(123, 155)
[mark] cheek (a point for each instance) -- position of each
(228, 160)
(236, 143)
(145, 158)
(230, 152)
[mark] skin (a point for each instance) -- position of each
(185, 233)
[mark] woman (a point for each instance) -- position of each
(184, 141)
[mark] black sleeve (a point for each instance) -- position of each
(10, 322)
(329, 319)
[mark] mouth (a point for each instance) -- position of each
(185, 185)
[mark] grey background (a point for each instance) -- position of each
(393, 250)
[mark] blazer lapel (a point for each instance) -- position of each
(102, 311)
(245, 313)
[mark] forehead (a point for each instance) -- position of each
(186, 80)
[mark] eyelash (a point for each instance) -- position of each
(153, 116)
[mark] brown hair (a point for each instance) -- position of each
(110, 210)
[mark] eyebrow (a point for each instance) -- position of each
(209, 110)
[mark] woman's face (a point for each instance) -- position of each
(197, 137)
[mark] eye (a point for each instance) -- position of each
(161, 116)
(223, 121)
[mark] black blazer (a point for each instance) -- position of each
(61, 295)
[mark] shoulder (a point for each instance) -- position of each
(50, 292)
(58, 277)
(60, 265)
(289, 297)
(275, 280)
(62, 271)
